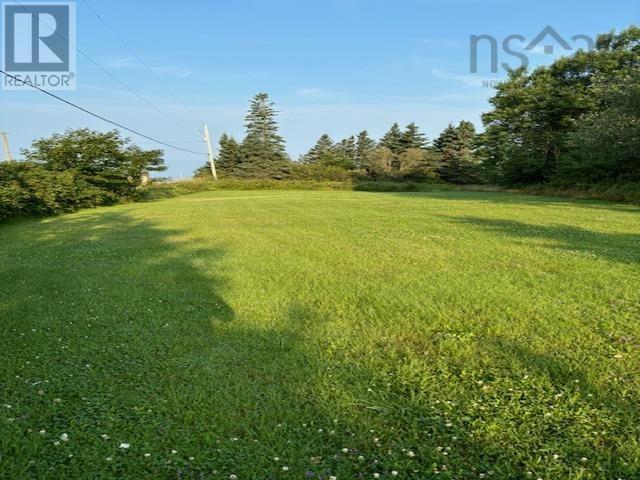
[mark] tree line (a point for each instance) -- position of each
(401, 154)
(574, 121)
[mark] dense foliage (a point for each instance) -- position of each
(77, 169)
(576, 120)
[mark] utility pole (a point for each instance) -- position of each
(5, 142)
(212, 161)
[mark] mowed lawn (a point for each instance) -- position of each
(291, 335)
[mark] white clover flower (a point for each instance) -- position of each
(43, 431)
(64, 437)
(233, 477)
(108, 459)
(124, 446)
(105, 436)
(147, 455)
(277, 459)
(394, 473)
(345, 450)
(173, 452)
(584, 459)
(411, 453)
(376, 475)
(285, 469)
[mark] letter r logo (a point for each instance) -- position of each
(37, 37)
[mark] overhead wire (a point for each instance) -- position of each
(98, 116)
(110, 74)
(142, 62)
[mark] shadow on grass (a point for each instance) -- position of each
(127, 324)
(618, 247)
(516, 199)
(110, 315)
(562, 374)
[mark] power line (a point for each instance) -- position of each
(142, 62)
(107, 72)
(104, 119)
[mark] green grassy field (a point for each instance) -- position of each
(275, 335)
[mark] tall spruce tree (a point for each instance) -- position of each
(346, 150)
(364, 146)
(412, 138)
(263, 149)
(323, 146)
(393, 140)
(456, 148)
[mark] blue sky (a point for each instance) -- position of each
(331, 66)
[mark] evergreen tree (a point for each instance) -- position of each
(412, 138)
(364, 146)
(456, 147)
(263, 150)
(346, 150)
(203, 171)
(230, 156)
(323, 146)
(393, 140)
